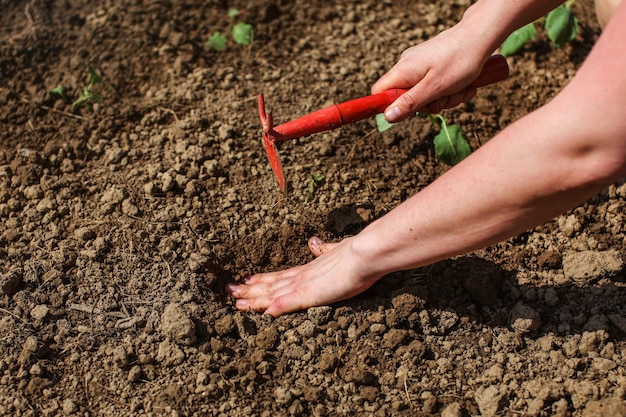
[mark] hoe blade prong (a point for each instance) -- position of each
(269, 143)
(272, 156)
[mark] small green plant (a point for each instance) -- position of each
(451, 146)
(217, 41)
(242, 34)
(59, 91)
(88, 95)
(312, 183)
(560, 24)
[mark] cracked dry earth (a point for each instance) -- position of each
(123, 220)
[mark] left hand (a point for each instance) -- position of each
(335, 275)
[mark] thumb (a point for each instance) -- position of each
(403, 107)
(319, 247)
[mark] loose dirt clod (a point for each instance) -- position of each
(177, 325)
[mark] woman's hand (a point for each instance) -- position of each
(438, 74)
(336, 274)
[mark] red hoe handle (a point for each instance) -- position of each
(329, 118)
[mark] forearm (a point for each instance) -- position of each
(511, 184)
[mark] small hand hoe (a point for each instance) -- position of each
(329, 118)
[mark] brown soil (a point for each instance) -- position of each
(122, 221)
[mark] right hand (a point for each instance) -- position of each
(437, 73)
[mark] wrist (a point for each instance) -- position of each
(483, 25)
(373, 253)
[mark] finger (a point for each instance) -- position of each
(262, 302)
(286, 304)
(402, 75)
(402, 108)
(319, 247)
(260, 285)
(454, 100)
(246, 290)
(448, 102)
(302, 295)
(470, 93)
(419, 96)
(434, 107)
(387, 81)
(233, 287)
(439, 104)
(463, 96)
(308, 292)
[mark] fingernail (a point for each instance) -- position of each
(393, 114)
(242, 304)
(231, 287)
(315, 241)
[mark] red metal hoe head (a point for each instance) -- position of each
(269, 142)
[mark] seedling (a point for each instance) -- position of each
(332, 117)
(88, 95)
(313, 181)
(450, 144)
(59, 90)
(241, 32)
(217, 41)
(560, 24)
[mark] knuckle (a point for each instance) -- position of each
(239, 291)
(279, 304)
(407, 102)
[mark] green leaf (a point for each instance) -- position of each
(381, 123)
(80, 101)
(233, 12)
(242, 33)
(59, 90)
(317, 177)
(311, 185)
(217, 41)
(561, 25)
(450, 145)
(518, 39)
(86, 97)
(94, 78)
